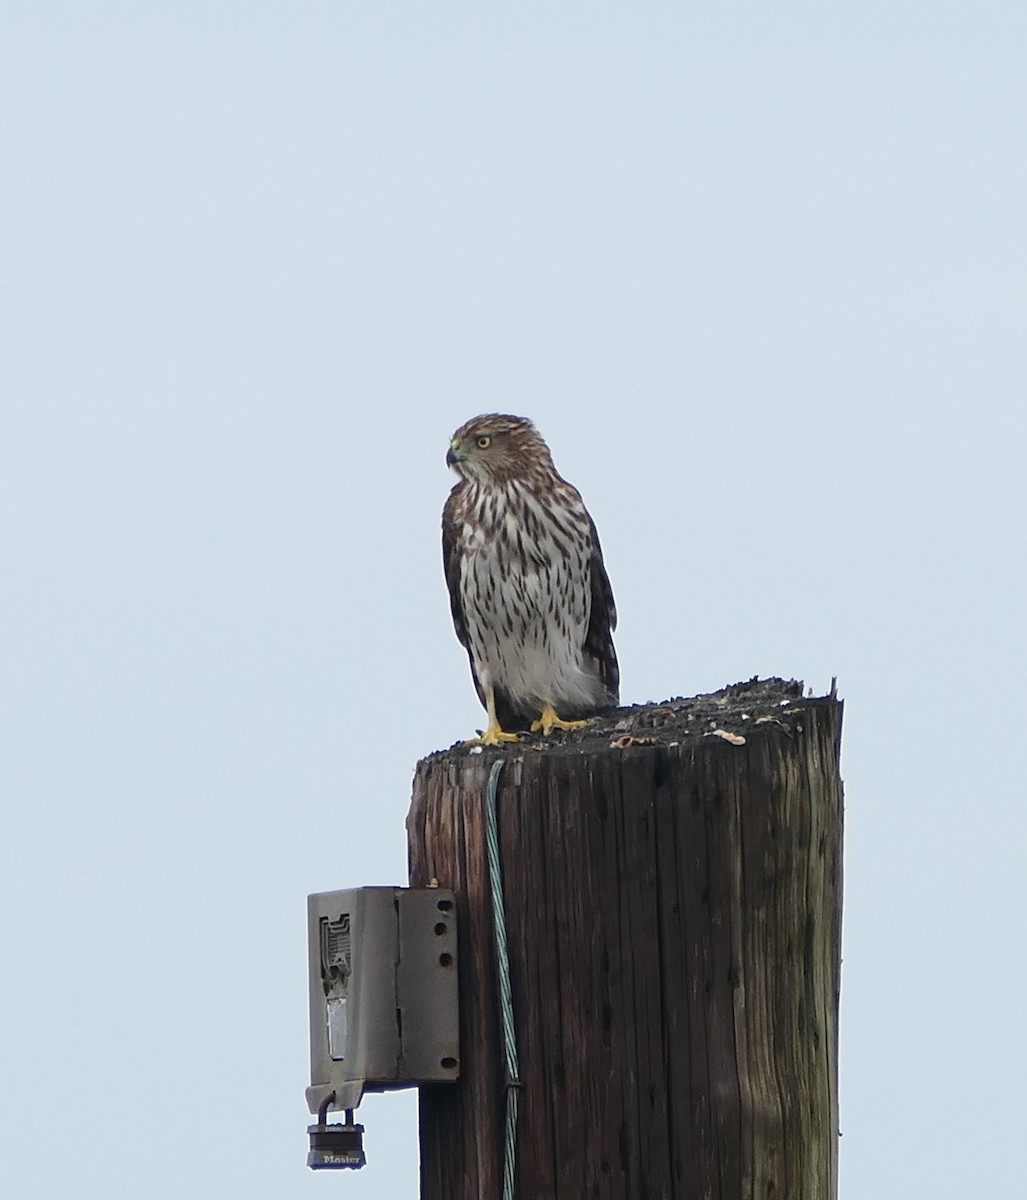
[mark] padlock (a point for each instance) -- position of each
(337, 1146)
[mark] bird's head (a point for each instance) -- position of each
(496, 448)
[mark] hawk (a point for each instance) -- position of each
(531, 599)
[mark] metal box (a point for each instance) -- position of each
(383, 992)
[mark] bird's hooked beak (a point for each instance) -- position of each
(453, 455)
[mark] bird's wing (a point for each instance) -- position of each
(602, 621)
(451, 564)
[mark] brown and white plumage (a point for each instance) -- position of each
(530, 596)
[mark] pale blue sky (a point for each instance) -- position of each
(758, 275)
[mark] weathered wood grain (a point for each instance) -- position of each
(673, 908)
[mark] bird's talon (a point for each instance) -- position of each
(549, 720)
(494, 736)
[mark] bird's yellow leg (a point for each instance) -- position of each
(493, 735)
(549, 720)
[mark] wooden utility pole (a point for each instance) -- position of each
(673, 899)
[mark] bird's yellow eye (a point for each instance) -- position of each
(484, 442)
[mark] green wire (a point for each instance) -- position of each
(513, 1082)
